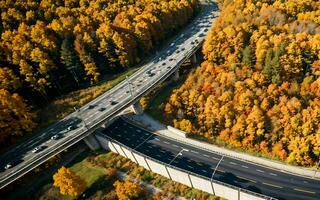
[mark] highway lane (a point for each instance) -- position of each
(103, 108)
(235, 172)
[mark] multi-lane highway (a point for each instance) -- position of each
(235, 172)
(83, 122)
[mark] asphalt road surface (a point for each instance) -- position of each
(91, 116)
(235, 172)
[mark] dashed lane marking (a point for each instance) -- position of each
(305, 191)
(258, 170)
(166, 142)
(205, 155)
(244, 166)
(190, 166)
(199, 164)
(205, 171)
(215, 158)
(219, 170)
(273, 174)
(272, 185)
(194, 152)
(247, 179)
(175, 145)
(232, 163)
(157, 139)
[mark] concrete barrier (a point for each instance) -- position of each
(141, 160)
(246, 196)
(158, 168)
(179, 176)
(201, 184)
(177, 132)
(227, 192)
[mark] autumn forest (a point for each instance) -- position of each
(51, 47)
(259, 86)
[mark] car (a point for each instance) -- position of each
(192, 42)
(171, 59)
(183, 49)
(37, 149)
(113, 103)
(9, 165)
(91, 106)
(71, 127)
(177, 51)
(102, 109)
(56, 137)
(163, 64)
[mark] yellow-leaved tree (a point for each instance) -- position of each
(128, 190)
(68, 182)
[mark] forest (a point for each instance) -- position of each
(51, 47)
(258, 88)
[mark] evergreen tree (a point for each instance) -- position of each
(247, 57)
(69, 58)
(267, 69)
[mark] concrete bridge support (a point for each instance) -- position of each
(92, 142)
(136, 108)
(194, 58)
(176, 75)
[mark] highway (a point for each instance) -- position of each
(97, 112)
(232, 171)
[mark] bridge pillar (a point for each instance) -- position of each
(136, 108)
(194, 58)
(92, 142)
(176, 75)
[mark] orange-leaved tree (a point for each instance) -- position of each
(68, 182)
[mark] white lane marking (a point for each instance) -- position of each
(215, 158)
(149, 147)
(273, 174)
(118, 135)
(305, 181)
(205, 155)
(244, 166)
(158, 155)
(258, 170)
(147, 150)
(205, 171)
(175, 145)
(130, 127)
(194, 152)
(232, 163)
(190, 166)
(166, 142)
(139, 131)
(157, 139)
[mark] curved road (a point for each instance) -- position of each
(235, 172)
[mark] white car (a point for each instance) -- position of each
(56, 137)
(8, 166)
(37, 149)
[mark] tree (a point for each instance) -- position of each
(68, 182)
(247, 57)
(16, 117)
(128, 190)
(69, 59)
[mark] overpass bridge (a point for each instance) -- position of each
(82, 123)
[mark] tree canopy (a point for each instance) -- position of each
(258, 88)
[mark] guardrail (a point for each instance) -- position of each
(260, 196)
